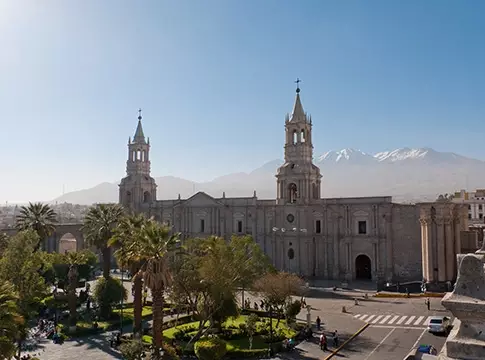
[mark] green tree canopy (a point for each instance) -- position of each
(38, 217)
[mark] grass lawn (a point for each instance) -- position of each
(128, 312)
(235, 344)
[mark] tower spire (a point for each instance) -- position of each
(139, 135)
(298, 113)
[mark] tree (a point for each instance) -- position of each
(4, 238)
(20, 267)
(251, 322)
(276, 289)
(38, 217)
(249, 259)
(208, 273)
(74, 259)
(127, 233)
(107, 293)
(98, 229)
(153, 249)
(10, 320)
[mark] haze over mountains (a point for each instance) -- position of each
(406, 174)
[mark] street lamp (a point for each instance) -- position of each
(281, 232)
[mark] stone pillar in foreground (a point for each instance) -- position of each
(467, 303)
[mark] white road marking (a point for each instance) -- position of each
(410, 320)
(357, 316)
(399, 327)
(417, 341)
(382, 341)
(377, 319)
(370, 317)
(401, 320)
(418, 321)
(427, 320)
(363, 317)
(393, 319)
(385, 319)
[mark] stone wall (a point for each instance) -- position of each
(407, 257)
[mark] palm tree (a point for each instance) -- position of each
(73, 259)
(125, 239)
(154, 246)
(38, 217)
(3, 243)
(10, 320)
(99, 225)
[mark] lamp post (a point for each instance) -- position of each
(122, 293)
(291, 252)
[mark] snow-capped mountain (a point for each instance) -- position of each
(345, 155)
(406, 174)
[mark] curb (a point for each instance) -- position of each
(335, 352)
(405, 296)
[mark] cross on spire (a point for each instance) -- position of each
(139, 114)
(298, 81)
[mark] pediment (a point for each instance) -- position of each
(361, 213)
(201, 199)
(317, 214)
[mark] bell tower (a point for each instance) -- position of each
(298, 179)
(138, 188)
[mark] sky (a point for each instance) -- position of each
(216, 78)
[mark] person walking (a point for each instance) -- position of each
(428, 305)
(323, 342)
(335, 339)
(319, 323)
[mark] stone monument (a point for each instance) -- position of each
(467, 303)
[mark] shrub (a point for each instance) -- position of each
(132, 349)
(210, 349)
(107, 293)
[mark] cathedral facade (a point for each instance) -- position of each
(368, 238)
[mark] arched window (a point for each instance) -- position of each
(302, 136)
(143, 156)
(133, 157)
(146, 197)
(295, 137)
(292, 193)
(138, 154)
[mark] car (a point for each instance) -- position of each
(423, 352)
(439, 324)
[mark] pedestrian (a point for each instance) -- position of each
(319, 322)
(335, 339)
(323, 342)
(428, 305)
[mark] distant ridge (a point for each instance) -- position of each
(406, 174)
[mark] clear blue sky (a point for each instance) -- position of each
(215, 79)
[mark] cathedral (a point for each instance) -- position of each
(368, 238)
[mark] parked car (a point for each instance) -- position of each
(439, 324)
(423, 352)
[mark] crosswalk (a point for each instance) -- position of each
(395, 320)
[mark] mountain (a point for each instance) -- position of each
(406, 174)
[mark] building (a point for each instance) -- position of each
(476, 204)
(368, 238)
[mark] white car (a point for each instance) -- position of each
(439, 324)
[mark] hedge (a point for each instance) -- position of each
(262, 313)
(210, 349)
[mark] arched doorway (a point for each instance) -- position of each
(67, 243)
(363, 267)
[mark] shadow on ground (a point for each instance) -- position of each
(97, 343)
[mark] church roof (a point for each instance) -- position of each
(139, 135)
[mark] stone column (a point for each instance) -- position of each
(450, 251)
(389, 250)
(426, 248)
(440, 244)
(336, 252)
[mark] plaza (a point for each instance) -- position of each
(397, 325)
